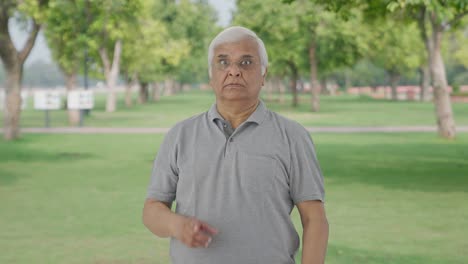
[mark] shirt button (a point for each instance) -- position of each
(224, 125)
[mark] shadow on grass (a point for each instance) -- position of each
(7, 177)
(19, 151)
(341, 254)
(412, 166)
(24, 154)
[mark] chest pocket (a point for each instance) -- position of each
(257, 172)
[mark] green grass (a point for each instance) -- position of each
(391, 198)
(342, 110)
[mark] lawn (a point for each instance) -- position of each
(344, 110)
(391, 198)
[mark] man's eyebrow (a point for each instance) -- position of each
(247, 56)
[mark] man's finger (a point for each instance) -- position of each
(209, 229)
(202, 240)
(196, 226)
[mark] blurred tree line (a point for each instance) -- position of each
(159, 46)
(371, 40)
(142, 42)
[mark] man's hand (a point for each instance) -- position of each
(194, 233)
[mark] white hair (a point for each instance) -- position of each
(235, 34)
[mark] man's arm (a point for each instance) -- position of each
(315, 232)
(161, 221)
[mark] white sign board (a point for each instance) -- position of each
(2, 100)
(24, 100)
(46, 100)
(83, 99)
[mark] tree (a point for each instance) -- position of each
(195, 22)
(65, 33)
(110, 21)
(150, 49)
(304, 37)
(277, 25)
(436, 17)
(396, 48)
(32, 12)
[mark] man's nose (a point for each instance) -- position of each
(234, 70)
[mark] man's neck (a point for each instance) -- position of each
(236, 113)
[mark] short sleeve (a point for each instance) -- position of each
(165, 173)
(306, 180)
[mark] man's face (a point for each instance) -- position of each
(236, 71)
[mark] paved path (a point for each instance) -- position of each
(155, 130)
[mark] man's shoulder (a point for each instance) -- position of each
(188, 124)
(290, 126)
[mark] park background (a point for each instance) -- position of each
(347, 70)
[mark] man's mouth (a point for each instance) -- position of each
(234, 85)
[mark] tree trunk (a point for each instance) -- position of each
(144, 93)
(73, 114)
(314, 83)
(177, 87)
(426, 71)
(394, 80)
(282, 91)
(13, 61)
(156, 92)
(111, 72)
(186, 87)
(293, 83)
(12, 110)
(424, 82)
(323, 86)
(128, 94)
(443, 105)
(347, 79)
(130, 83)
(275, 87)
(169, 87)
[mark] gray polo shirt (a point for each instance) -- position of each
(244, 182)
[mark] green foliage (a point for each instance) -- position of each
(66, 33)
(170, 40)
(193, 24)
(277, 25)
(365, 73)
(396, 47)
(73, 26)
(148, 46)
(109, 21)
(34, 9)
(459, 44)
(443, 11)
(289, 29)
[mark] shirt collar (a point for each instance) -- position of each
(256, 117)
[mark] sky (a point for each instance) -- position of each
(42, 52)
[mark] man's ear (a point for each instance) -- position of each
(264, 76)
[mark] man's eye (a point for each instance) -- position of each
(223, 62)
(246, 62)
